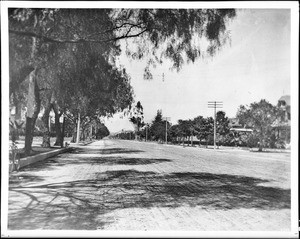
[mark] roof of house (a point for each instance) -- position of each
(241, 129)
(234, 122)
(286, 98)
(279, 124)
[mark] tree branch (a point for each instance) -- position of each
(51, 40)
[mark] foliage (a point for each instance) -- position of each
(158, 127)
(73, 52)
(102, 132)
(137, 117)
(260, 116)
(159, 33)
(171, 33)
(205, 129)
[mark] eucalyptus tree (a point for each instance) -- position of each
(137, 118)
(159, 34)
(158, 127)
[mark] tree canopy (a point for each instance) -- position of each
(260, 116)
(162, 33)
(137, 117)
(72, 51)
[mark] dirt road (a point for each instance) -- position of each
(127, 185)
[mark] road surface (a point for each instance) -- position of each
(128, 185)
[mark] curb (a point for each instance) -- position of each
(82, 143)
(39, 157)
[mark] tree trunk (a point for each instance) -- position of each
(57, 129)
(260, 146)
(91, 132)
(46, 133)
(62, 133)
(261, 141)
(33, 97)
(30, 121)
(18, 118)
(28, 135)
(78, 129)
(74, 135)
(37, 108)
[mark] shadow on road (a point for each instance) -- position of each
(106, 151)
(84, 204)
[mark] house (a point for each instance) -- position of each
(282, 126)
(235, 126)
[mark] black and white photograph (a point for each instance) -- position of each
(149, 119)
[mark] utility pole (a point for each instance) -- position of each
(215, 104)
(166, 119)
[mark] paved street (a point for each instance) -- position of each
(127, 185)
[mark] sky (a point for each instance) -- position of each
(254, 66)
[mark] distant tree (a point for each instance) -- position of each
(205, 130)
(102, 132)
(175, 133)
(198, 123)
(223, 130)
(158, 127)
(259, 116)
(137, 118)
(187, 128)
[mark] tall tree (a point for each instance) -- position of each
(260, 116)
(206, 130)
(137, 118)
(223, 129)
(102, 131)
(160, 33)
(158, 127)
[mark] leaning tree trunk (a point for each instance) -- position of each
(33, 97)
(18, 121)
(62, 133)
(28, 134)
(46, 133)
(78, 130)
(57, 128)
(37, 107)
(30, 121)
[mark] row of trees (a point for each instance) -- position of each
(259, 117)
(64, 60)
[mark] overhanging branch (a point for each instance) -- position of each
(76, 41)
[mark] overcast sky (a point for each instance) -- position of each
(255, 66)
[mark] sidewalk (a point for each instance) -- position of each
(40, 153)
